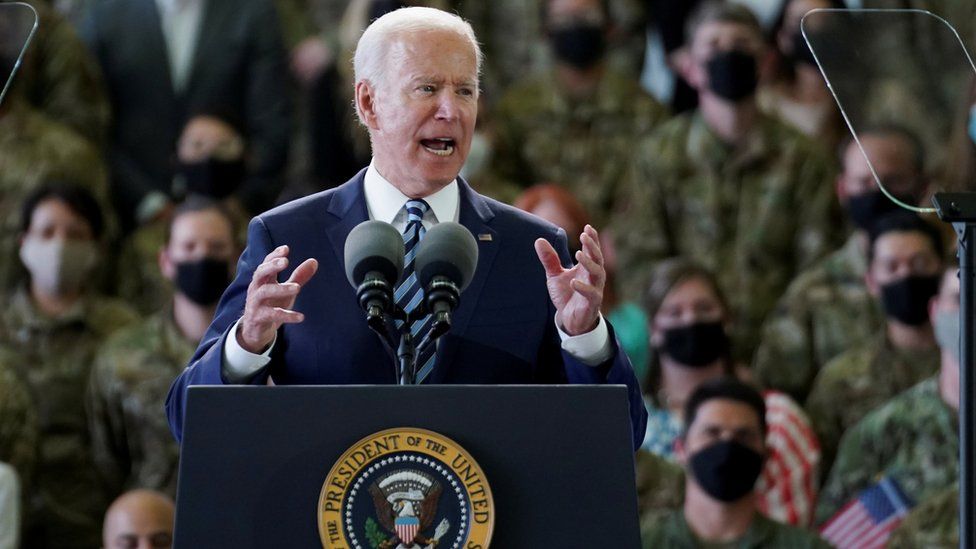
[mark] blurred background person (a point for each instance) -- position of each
(141, 519)
(913, 438)
(827, 309)
(722, 449)
(167, 62)
(53, 324)
(905, 265)
(9, 507)
(571, 125)
(795, 90)
(689, 322)
(726, 185)
(18, 450)
(131, 442)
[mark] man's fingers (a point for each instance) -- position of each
(592, 268)
(590, 292)
(303, 273)
(591, 244)
(280, 251)
(548, 257)
(267, 272)
(270, 292)
(286, 316)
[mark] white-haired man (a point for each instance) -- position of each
(525, 318)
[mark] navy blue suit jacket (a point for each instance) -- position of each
(503, 332)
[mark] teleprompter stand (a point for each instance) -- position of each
(960, 210)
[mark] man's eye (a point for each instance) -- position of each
(427, 88)
(467, 92)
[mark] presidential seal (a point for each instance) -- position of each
(406, 488)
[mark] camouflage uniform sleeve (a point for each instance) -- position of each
(640, 226)
(822, 406)
(934, 524)
(859, 461)
(69, 86)
(18, 423)
(106, 423)
(509, 174)
(816, 233)
(660, 486)
(785, 358)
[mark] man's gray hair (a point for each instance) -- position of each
(369, 62)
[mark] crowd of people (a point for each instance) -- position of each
(795, 333)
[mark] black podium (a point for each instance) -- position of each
(558, 459)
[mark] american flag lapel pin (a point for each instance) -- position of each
(484, 237)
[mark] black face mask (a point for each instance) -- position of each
(732, 74)
(866, 208)
(698, 344)
(213, 178)
(204, 280)
(726, 470)
(907, 300)
(581, 45)
(801, 51)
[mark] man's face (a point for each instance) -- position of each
(722, 419)
(194, 236)
(145, 526)
(893, 159)
(421, 118)
(898, 255)
(718, 37)
(565, 13)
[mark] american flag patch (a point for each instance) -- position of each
(867, 521)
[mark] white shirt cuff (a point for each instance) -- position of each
(240, 365)
(592, 348)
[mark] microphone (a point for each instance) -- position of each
(374, 262)
(445, 262)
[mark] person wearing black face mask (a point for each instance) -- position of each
(722, 449)
(137, 366)
(688, 318)
(906, 262)
(573, 124)
(827, 309)
(726, 185)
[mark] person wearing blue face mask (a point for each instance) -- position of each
(723, 449)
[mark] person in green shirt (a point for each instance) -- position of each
(722, 450)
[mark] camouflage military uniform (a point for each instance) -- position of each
(825, 311)
(673, 532)
(54, 359)
(863, 379)
(18, 422)
(541, 136)
(33, 151)
(755, 215)
(131, 440)
(60, 77)
(660, 486)
(934, 524)
(914, 438)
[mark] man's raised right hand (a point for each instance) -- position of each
(269, 302)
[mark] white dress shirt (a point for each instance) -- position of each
(386, 203)
(180, 21)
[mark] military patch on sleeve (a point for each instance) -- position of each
(406, 488)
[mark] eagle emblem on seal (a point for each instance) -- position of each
(406, 505)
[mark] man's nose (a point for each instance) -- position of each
(447, 106)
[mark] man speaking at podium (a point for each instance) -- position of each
(524, 318)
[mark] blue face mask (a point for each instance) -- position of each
(972, 123)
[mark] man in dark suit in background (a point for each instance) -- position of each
(166, 62)
(525, 318)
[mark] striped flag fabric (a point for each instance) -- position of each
(868, 520)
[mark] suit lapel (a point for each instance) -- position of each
(348, 205)
(474, 214)
(156, 53)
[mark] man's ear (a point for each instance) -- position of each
(869, 281)
(366, 104)
(680, 453)
(166, 265)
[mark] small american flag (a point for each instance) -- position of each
(867, 521)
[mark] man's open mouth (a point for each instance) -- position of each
(441, 146)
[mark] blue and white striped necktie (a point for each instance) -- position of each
(409, 295)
